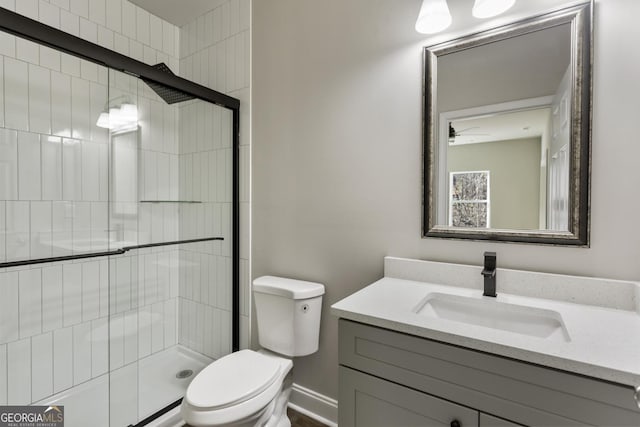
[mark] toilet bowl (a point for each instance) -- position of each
(252, 388)
(237, 390)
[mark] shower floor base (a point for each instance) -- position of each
(137, 390)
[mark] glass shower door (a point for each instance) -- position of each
(54, 208)
(170, 302)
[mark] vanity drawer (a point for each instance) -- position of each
(522, 392)
(372, 402)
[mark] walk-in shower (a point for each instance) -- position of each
(119, 258)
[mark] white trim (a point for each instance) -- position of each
(503, 107)
(314, 405)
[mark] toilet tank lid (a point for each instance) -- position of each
(288, 288)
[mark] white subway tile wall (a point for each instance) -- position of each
(54, 193)
(62, 324)
(52, 298)
(3, 374)
(42, 366)
(215, 52)
(9, 312)
(19, 372)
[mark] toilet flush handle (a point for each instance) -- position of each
(637, 396)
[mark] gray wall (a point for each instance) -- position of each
(514, 178)
(337, 145)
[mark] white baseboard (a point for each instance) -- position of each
(314, 405)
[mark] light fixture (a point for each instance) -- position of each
(489, 8)
(103, 120)
(434, 16)
(119, 119)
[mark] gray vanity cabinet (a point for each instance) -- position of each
(367, 401)
(394, 379)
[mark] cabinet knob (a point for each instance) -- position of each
(637, 396)
(455, 423)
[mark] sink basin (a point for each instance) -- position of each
(489, 313)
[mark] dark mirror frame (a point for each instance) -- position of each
(580, 18)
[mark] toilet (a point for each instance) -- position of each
(252, 388)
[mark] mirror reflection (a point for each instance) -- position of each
(510, 140)
(505, 142)
(518, 162)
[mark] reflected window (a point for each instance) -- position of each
(469, 199)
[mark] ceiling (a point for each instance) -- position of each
(501, 126)
(181, 12)
(178, 12)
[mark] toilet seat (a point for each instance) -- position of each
(234, 387)
(233, 379)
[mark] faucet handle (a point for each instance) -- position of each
(488, 272)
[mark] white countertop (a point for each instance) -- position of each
(604, 342)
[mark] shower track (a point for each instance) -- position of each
(118, 251)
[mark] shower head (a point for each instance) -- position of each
(168, 94)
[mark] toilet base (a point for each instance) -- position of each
(279, 416)
(273, 415)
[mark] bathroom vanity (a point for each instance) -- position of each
(423, 347)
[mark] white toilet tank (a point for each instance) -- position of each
(288, 314)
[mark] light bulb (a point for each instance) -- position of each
(434, 17)
(489, 8)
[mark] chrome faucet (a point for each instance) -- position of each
(489, 273)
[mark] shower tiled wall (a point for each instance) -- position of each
(54, 190)
(54, 321)
(144, 283)
(205, 268)
(215, 52)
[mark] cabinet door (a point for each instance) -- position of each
(367, 401)
(521, 392)
(489, 421)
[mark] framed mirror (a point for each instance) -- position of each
(507, 129)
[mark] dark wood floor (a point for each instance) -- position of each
(298, 420)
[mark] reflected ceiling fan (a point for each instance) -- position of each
(464, 132)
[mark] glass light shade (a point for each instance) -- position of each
(434, 17)
(489, 8)
(115, 118)
(103, 120)
(120, 118)
(129, 112)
